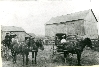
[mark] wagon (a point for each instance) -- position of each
(58, 47)
(58, 38)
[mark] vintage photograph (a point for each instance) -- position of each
(49, 33)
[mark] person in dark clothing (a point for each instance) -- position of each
(7, 40)
(37, 43)
(7, 36)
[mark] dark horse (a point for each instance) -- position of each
(24, 48)
(77, 48)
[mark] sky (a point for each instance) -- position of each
(32, 15)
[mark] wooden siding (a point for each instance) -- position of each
(85, 26)
(70, 28)
(21, 35)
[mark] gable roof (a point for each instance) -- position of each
(11, 28)
(32, 34)
(70, 17)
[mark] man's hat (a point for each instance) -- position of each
(12, 33)
(7, 33)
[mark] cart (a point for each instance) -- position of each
(58, 47)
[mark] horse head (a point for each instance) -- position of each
(88, 42)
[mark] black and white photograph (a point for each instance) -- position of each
(49, 33)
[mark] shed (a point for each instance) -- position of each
(20, 32)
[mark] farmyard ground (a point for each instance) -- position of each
(44, 59)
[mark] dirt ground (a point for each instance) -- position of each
(44, 59)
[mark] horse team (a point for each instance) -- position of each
(29, 45)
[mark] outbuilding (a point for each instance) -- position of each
(20, 32)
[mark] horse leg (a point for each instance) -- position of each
(71, 57)
(7, 54)
(27, 58)
(35, 54)
(14, 57)
(23, 59)
(32, 56)
(11, 52)
(2, 52)
(78, 58)
(65, 55)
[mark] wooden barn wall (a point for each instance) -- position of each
(21, 35)
(91, 30)
(75, 28)
(83, 28)
(50, 30)
(60, 28)
(90, 25)
(47, 30)
(70, 28)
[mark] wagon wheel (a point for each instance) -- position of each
(54, 47)
(53, 52)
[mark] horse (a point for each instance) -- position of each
(24, 48)
(76, 48)
(33, 47)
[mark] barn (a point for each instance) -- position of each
(20, 32)
(32, 35)
(82, 24)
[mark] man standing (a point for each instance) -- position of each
(15, 39)
(7, 40)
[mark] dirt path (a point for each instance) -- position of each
(44, 59)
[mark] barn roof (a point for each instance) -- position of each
(11, 28)
(32, 34)
(70, 17)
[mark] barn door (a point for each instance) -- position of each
(71, 29)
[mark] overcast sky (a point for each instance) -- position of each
(32, 15)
